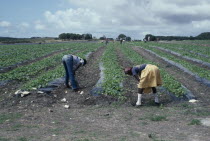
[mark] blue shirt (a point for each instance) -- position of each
(137, 69)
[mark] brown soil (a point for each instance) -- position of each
(98, 118)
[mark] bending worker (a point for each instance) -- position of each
(148, 77)
(71, 64)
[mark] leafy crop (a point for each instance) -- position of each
(113, 73)
(168, 81)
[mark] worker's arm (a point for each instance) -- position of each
(137, 77)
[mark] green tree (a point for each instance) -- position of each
(150, 37)
(62, 36)
(123, 36)
(128, 38)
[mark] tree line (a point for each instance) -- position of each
(202, 36)
(73, 36)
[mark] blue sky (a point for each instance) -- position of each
(136, 18)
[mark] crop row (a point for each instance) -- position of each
(113, 73)
(204, 64)
(197, 42)
(43, 79)
(25, 73)
(183, 52)
(187, 49)
(201, 72)
(170, 83)
(13, 54)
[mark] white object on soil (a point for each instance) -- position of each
(66, 106)
(205, 122)
(63, 100)
(22, 93)
(40, 92)
(193, 101)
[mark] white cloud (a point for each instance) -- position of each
(24, 25)
(134, 18)
(74, 19)
(39, 25)
(202, 24)
(5, 24)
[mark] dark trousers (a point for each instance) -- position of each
(68, 65)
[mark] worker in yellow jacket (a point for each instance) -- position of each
(148, 77)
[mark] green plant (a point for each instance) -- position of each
(157, 118)
(9, 117)
(195, 122)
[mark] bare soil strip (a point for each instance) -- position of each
(199, 90)
(27, 62)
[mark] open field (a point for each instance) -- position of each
(185, 70)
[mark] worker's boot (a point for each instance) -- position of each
(156, 99)
(138, 103)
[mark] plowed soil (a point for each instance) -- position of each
(42, 117)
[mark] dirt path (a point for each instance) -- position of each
(43, 117)
(199, 90)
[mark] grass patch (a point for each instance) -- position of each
(142, 118)
(22, 139)
(144, 123)
(4, 139)
(185, 105)
(158, 118)
(55, 131)
(83, 140)
(80, 132)
(154, 138)
(9, 117)
(195, 122)
(15, 127)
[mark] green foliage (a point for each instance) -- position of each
(43, 79)
(150, 37)
(73, 36)
(204, 36)
(128, 38)
(10, 117)
(4, 139)
(157, 118)
(168, 81)
(203, 73)
(195, 122)
(123, 36)
(113, 73)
